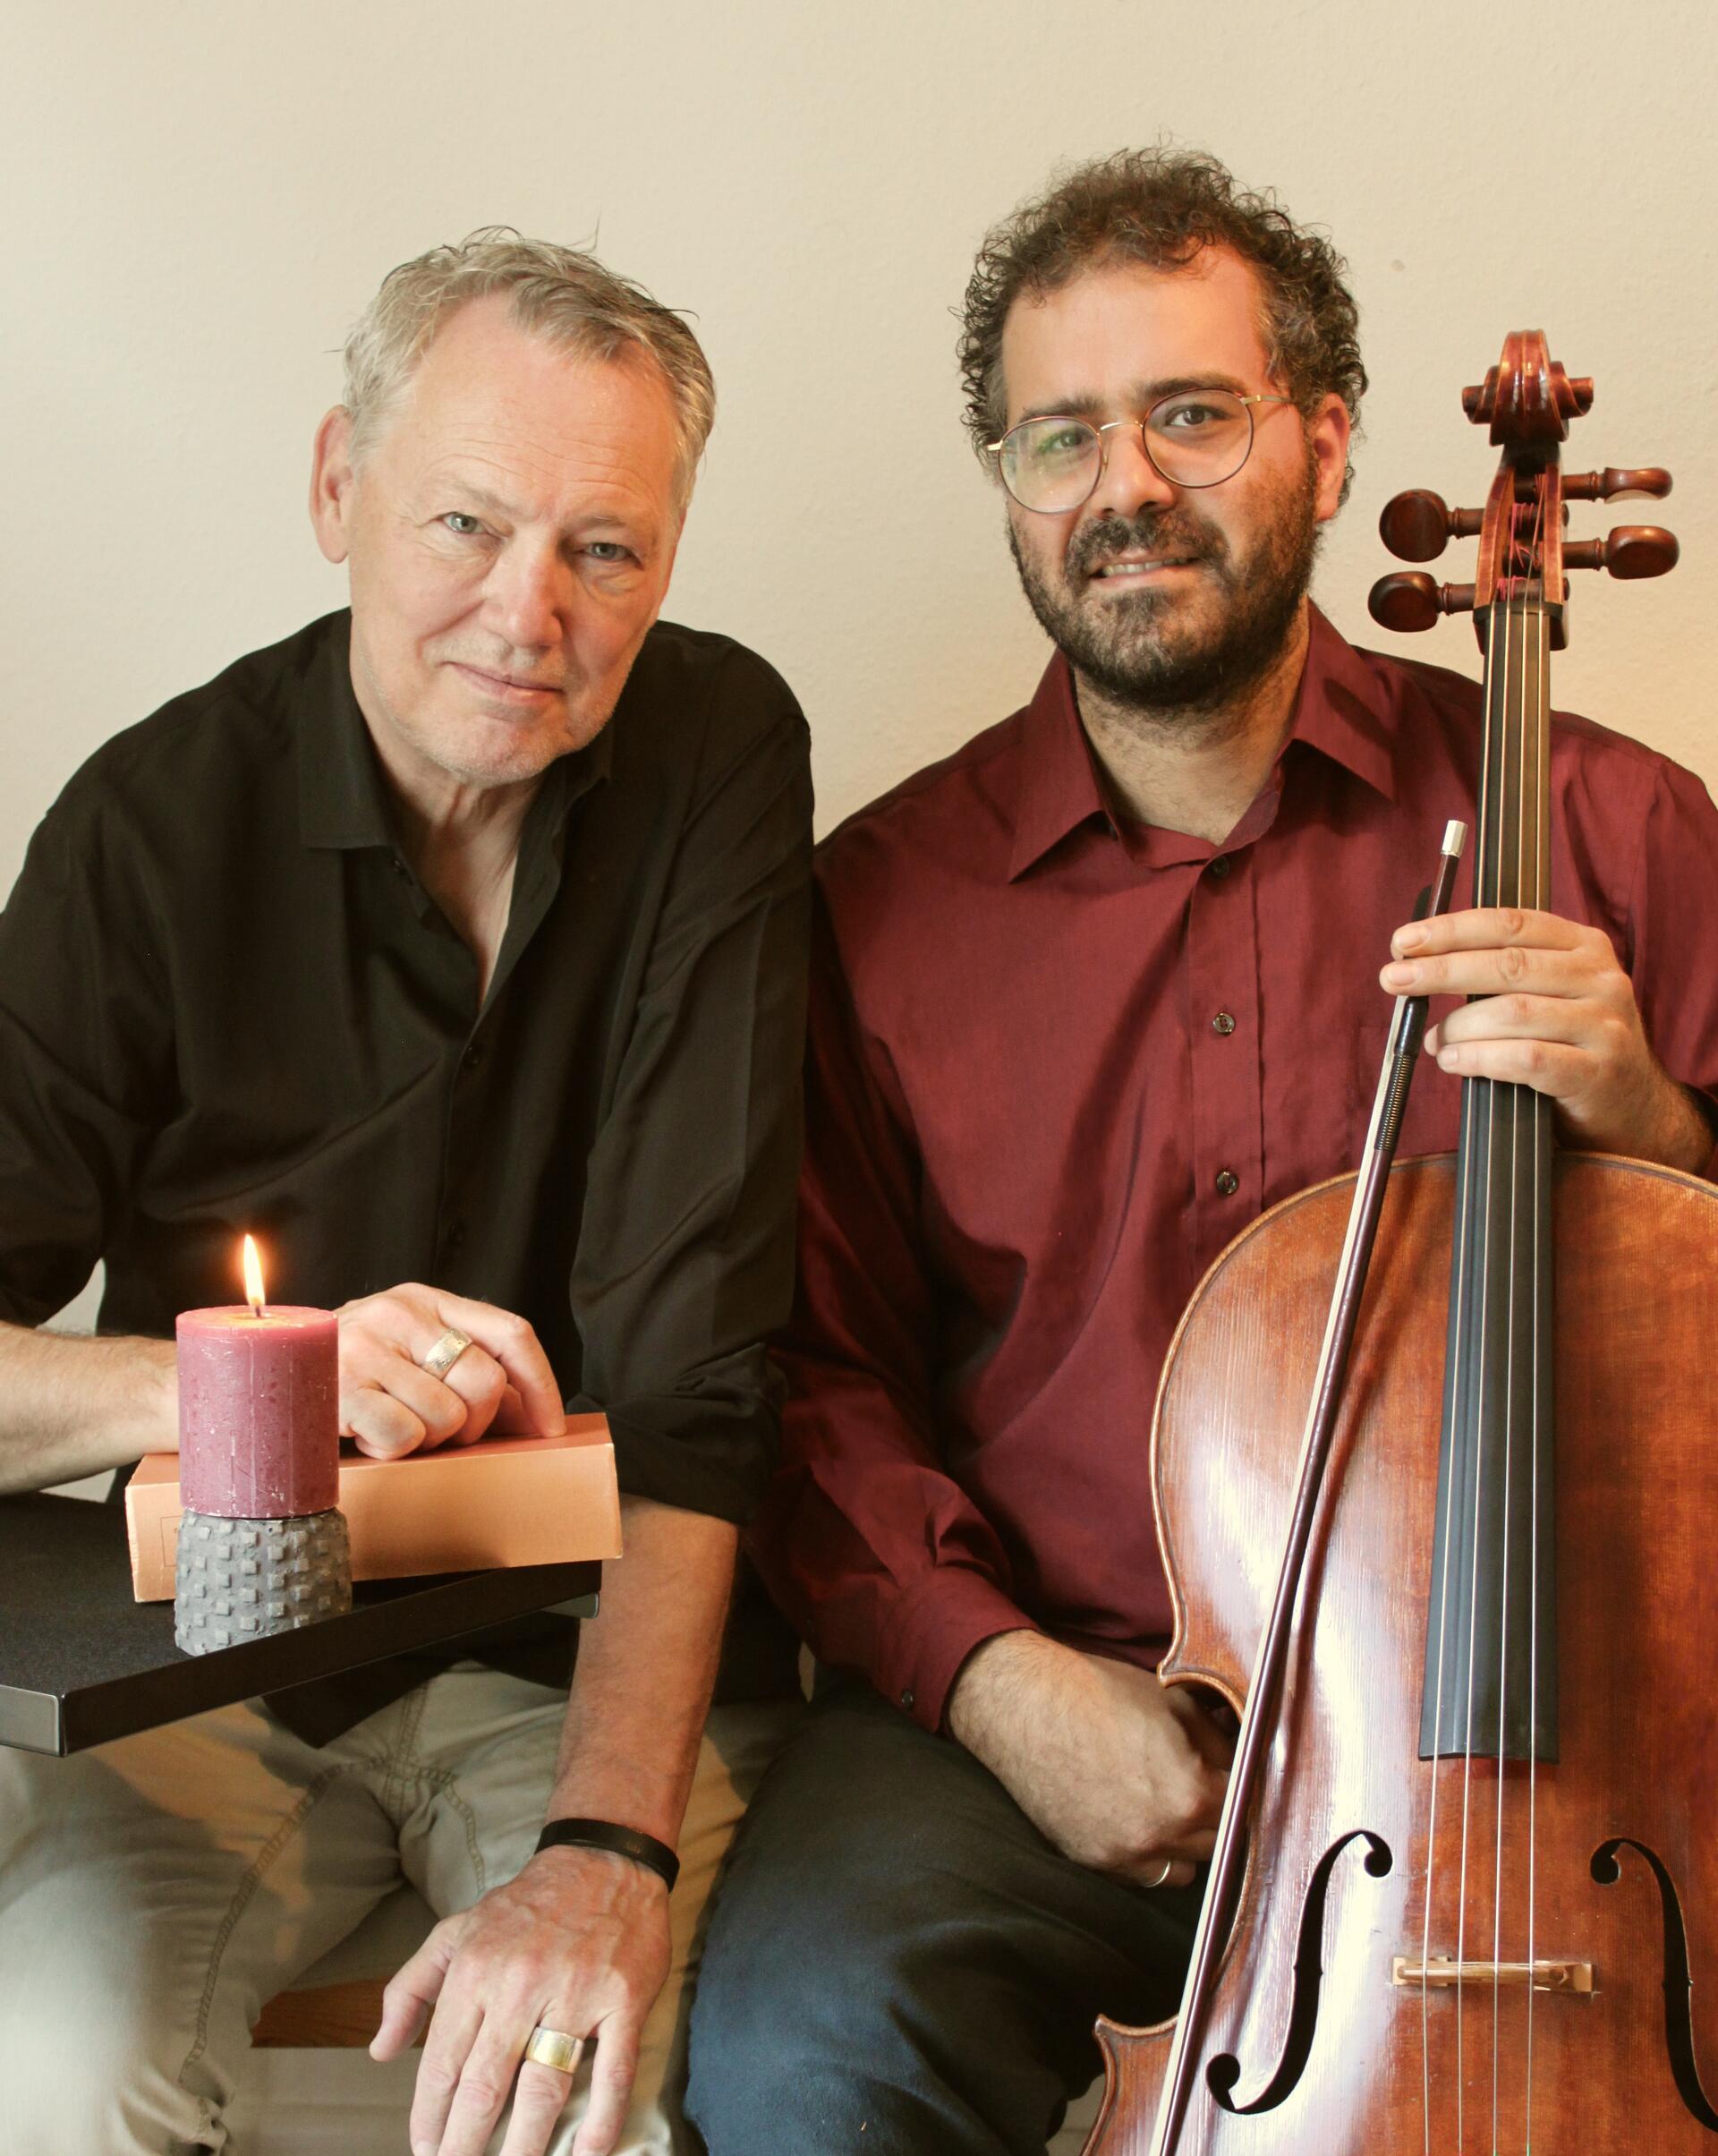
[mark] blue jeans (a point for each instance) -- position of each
(899, 1962)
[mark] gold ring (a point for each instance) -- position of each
(555, 2049)
(447, 1351)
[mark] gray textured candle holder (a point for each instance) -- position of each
(240, 1580)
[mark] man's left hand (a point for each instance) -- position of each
(1557, 1012)
(578, 1942)
(390, 1404)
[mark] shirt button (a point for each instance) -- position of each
(455, 1235)
(1219, 866)
(400, 869)
(906, 1699)
(472, 1057)
(1227, 1183)
(1224, 1022)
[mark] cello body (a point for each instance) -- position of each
(1602, 1864)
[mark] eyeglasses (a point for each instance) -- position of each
(1195, 437)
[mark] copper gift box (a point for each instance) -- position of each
(504, 1501)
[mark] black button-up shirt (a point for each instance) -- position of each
(227, 1004)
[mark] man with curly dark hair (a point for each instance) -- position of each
(1087, 996)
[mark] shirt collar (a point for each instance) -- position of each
(1058, 782)
(1341, 711)
(342, 801)
(1337, 712)
(343, 798)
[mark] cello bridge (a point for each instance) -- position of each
(1441, 1973)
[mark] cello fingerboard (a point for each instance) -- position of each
(1490, 1650)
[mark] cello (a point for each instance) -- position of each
(1464, 1892)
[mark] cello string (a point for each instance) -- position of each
(1508, 890)
(1528, 1106)
(1497, 681)
(1517, 748)
(1495, 1392)
(1523, 1105)
(1524, 1110)
(1461, 1355)
(1541, 898)
(1501, 1167)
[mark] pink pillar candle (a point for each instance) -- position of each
(258, 1418)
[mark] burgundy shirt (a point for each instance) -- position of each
(1056, 1066)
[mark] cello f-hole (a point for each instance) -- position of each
(1679, 1986)
(1224, 2071)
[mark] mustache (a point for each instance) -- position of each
(1160, 531)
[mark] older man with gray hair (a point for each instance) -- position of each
(456, 945)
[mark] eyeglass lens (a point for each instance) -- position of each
(1198, 438)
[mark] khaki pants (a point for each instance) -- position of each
(155, 1892)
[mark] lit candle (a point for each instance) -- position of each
(258, 1407)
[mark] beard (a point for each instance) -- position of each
(1183, 649)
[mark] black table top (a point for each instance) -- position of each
(81, 1662)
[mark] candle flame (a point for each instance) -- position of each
(252, 1277)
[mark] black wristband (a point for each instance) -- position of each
(619, 1841)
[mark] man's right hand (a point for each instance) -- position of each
(390, 1404)
(1121, 1773)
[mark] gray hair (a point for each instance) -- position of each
(558, 293)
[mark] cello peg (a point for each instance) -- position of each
(1410, 600)
(1615, 481)
(1417, 525)
(1629, 552)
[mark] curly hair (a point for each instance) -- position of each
(558, 293)
(1160, 207)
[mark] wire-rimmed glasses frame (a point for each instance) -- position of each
(1222, 459)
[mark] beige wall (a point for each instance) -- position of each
(200, 196)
